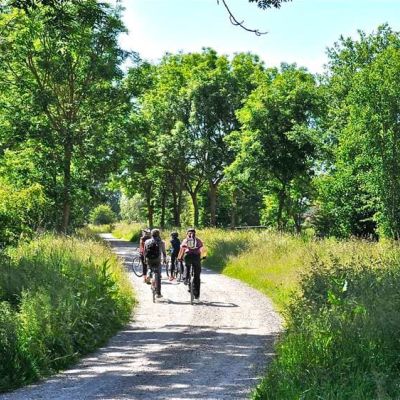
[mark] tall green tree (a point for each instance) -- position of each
(60, 73)
(217, 88)
(362, 128)
(277, 143)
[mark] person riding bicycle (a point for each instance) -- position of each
(191, 250)
(174, 251)
(145, 235)
(153, 249)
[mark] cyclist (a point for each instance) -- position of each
(153, 249)
(174, 251)
(191, 248)
(145, 235)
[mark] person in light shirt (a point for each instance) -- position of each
(191, 249)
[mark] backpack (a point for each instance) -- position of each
(153, 250)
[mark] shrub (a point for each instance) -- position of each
(21, 212)
(102, 215)
(8, 345)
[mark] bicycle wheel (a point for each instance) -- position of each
(153, 289)
(137, 266)
(191, 292)
(178, 272)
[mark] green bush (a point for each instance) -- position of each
(21, 212)
(102, 215)
(59, 298)
(9, 365)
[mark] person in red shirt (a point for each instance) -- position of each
(191, 252)
(145, 235)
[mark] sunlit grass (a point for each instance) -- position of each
(59, 298)
(128, 231)
(341, 327)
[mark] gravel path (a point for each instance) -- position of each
(216, 349)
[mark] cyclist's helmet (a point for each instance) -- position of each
(174, 234)
(191, 230)
(146, 232)
(155, 233)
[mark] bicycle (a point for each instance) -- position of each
(137, 265)
(189, 280)
(177, 272)
(153, 279)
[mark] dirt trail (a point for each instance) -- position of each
(172, 350)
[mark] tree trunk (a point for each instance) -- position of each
(151, 215)
(67, 185)
(180, 199)
(213, 203)
(281, 203)
(150, 207)
(297, 223)
(233, 208)
(163, 201)
(193, 196)
(176, 197)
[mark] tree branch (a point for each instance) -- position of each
(235, 22)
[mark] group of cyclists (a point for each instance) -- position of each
(190, 251)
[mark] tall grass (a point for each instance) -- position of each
(128, 231)
(341, 340)
(59, 298)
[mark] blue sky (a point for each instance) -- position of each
(299, 32)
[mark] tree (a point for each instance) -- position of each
(277, 146)
(363, 128)
(264, 4)
(60, 73)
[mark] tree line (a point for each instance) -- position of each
(197, 138)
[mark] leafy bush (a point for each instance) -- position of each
(59, 298)
(102, 215)
(21, 212)
(8, 344)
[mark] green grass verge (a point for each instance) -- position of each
(128, 231)
(341, 337)
(59, 298)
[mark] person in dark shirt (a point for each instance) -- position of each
(174, 251)
(154, 248)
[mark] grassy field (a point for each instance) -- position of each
(340, 301)
(59, 298)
